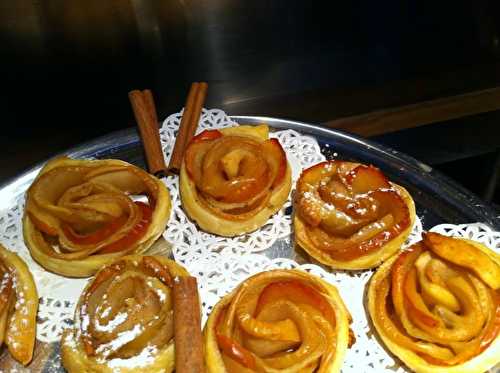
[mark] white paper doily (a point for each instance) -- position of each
(190, 243)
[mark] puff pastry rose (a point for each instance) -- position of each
(80, 214)
(349, 216)
(437, 305)
(232, 180)
(278, 321)
(124, 319)
(18, 306)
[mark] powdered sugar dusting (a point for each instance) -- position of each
(121, 340)
(146, 357)
(112, 324)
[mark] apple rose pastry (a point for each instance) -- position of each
(80, 214)
(124, 319)
(232, 180)
(278, 321)
(437, 305)
(349, 216)
(18, 306)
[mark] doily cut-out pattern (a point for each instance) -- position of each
(477, 232)
(190, 243)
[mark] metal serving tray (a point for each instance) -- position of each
(438, 198)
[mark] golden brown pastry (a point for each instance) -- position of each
(18, 306)
(349, 216)
(278, 321)
(232, 180)
(80, 215)
(437, 305)
(124, 319)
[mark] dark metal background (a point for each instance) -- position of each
(66, 65)
(84, 55)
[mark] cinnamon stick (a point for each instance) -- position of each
(150, 103)
(198, 106)
(187, 326)
(189, 123)
(147, 121)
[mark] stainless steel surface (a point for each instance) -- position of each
(245, 49)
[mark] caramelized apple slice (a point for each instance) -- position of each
(273, 317)
(276, 157)
(6, 299)
(399, 270)
(91, 298)
(21, 332)
(336, 193)
(359, 206)
(260, 132)
(309, 202)
(493, 326)
(436, 293)
(47, 224)
(266, 347)
(351, 210)
(234, 172)
(193, 158)
(339, 223)
(296, 292)
(206, 135)
(392, 218)
(232, 160)
(156, 269)
(366, 178)
(466, 255)
(312, 175)
(135, 234)
(421, 315)
(235, 351)
(466, 324)
(394, 332)
(252, 175)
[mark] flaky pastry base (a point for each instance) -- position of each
(75, 360)
(209, 221)
(90, 265)
(480, 363)
(213, 356)
(363, 262)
